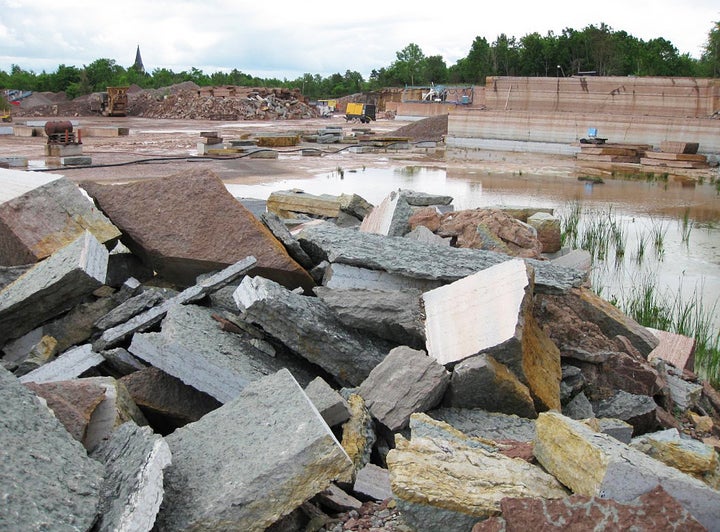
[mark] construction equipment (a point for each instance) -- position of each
(360, 111)
(114, 102)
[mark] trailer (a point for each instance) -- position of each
(364, 112)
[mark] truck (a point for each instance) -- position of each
(111, 103)
(364, 112)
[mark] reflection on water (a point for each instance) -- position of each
(689, 216)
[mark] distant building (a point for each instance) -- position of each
(138, 65)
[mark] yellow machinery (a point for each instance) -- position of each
(114, 102)
(360, 111)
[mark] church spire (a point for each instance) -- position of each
(138, 65)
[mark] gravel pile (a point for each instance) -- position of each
(433, 128)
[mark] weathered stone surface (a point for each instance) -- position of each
(621, 371)
(548, 231)
(677, 349)
(491, 312)
(579, 407)
(212, 485)
(309, 328)
(9, 273)
(52, 286)
(594, 464)
(342, 276)
(115, 335)
(423, 199)
(289, 203)
(273, 222)
(406, 381)
(414, 259)
(188, 223)
(46, 477)
(617, 428)
(482, 382)
(638, 410)
(358, 434)
(374, 482)
(132, 489)
(572, 382)
(684, 453)
(162, 395)
(685, 395)
(423, 234)
(355, 205)
(332, 406)
(390, 218)
(120, 362)
(131, 308)
(40, 354)
(424, 426)
(490, 230)
(426, 217)
(72, 401)
(655, 510)
(192, 347)
(395, 315)
(36, 224)
(487, 425)
(464, 483)
(577, 259)
(68, 365)
(337, 500)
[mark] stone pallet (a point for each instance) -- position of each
(647, 161)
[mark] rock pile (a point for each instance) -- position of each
(172, 362)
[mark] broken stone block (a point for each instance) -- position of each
(491, 312)
(46, 478)
(289, 203)
(52, 286)
(676, 349)
(579, 407)
(655, 510)
(374, 482)
(577, 259)
(617, 428)
(72, 401)
(355, 205)
(548, 231)
(342, 276)
(487, 425)
(309, 328)
(638, 410)
(68, 365)
(332, 406)
(685, 395)
(423, 234)
(281, 232)
(684, 453)
(41, 353)
(132, 489)
(131, 308)
(119, 362)
(44, 219)
(423, 199)
(212, 484)
(188, 223)
(390, 218)
(406, 381)
(409, 258)
(424, 426)
(482, 382)
(358, 434)
(594, 464)
(192, 347)
(165, 400)
(446, 485)
(115, 335)
(395, 315)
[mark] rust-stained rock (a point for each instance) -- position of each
(428, 217)
(188, 223)
(40, 221)
(358, 434)
(655, 510)
(492, 230)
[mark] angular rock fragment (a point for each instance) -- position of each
(68, 365)
(655, 510)
(594, 464)
(395, 315)
(52, 286)
(677, 349)
(46, 476)
(685, 395)
(132, 489)
(290, 203)
(212, 484)
(417, 260)
(293, 247)
(487, 425)
(374, 482)
(390, 218)
(40, 354)
(333, 408)
(548, 231)
(192, 347)
(309, 328)
(638, 410)
(119, 362)
(490, 312)
(344, 277)
(482, 382)
(446, 484)
(358, 435)
(423, 234)
(187, 224)
(406, 381)
(130, 308)
(42, 219)
(579, 407)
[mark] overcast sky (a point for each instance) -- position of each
(276, 38)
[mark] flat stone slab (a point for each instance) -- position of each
(132, 489)
(594, 464)
(52, 286)
(410, 258)
(250, 462)
(677, 349)
(488, 425)
(192, 347)
(68, 365)
(46, 478)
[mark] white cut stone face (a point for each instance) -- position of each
(475, 313)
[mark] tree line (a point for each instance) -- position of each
(594, 50)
